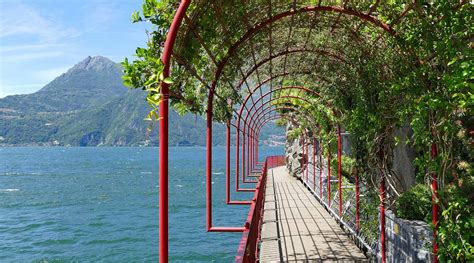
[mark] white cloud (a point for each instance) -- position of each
(30, 56)
(29, 47)
(20, 19)
(99, 15)
(35, 36)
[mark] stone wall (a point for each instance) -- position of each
(294, 154)
(406, 240)
(403, 157)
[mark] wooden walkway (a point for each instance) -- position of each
(296, 228)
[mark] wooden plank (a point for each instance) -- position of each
(297, 228)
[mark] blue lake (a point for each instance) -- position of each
(101, 204)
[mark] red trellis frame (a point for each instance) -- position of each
(164, 108)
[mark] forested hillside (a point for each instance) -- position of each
(89, 106)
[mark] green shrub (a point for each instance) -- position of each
(456, 221)
(415, 204)
(347, 164)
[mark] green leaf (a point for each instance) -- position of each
(168, 80)
(452, 61)
(136, 17)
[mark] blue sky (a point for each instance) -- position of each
(40, 39)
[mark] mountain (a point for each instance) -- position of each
(89, 106)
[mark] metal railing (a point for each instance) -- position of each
(350, 216)
(248, 246)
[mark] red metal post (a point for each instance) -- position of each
(256, 147)
(320, 152)
(209, 226)
(237, 156)
(339, 167)
(382, 217)
(243, 154)
(329, 174)
(250, 152)
(247, 152)
(249, 139)
(304, 160)
(257, 136)
(357, 200)
(307, 162)
(314, 164)
(163, 149)
(253, 150)
(227, 164)
(435, 206)
(209, 163)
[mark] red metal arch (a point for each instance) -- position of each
(329, 171)
(266, 94)
(263, 104)
(245, 122)
(256, 144)
(269, 109)
(286, 52)
(177, 20)
(250, 134)
(251, 128)
(261, 123)
(313, 92)
(224, 61)
(258, 27)
(163, 150)
(274, 76)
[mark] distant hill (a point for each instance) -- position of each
(89, 106)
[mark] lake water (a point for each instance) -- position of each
(100, 204)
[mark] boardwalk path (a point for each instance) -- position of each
(297, 228)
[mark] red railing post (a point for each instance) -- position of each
(329, 175)
(163, 147)
(255, 153)
(339, 169)
(357, 199)
(320, 153)
(255, 144)
(256, 148)
(435, 206)
(302, 158)
(227, 164)
(253, 150)
(382, 217)
(307, 161)
(314, 164)
(243, 153)
(237, 156)
(209, 164)
(250, 151)
(252, 145)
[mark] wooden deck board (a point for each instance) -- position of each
(296, 228)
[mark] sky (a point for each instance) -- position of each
(41, 39)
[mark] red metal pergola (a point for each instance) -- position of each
(256, 116)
